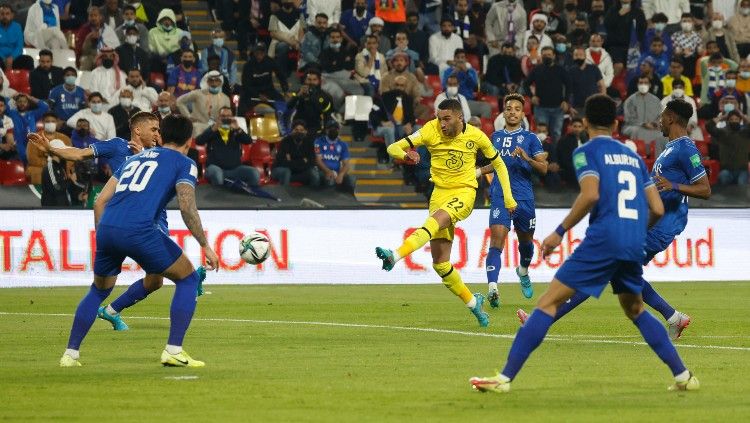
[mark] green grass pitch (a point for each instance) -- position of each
(267, 361)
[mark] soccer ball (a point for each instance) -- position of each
(254, 248)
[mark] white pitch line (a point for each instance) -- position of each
(558, 338)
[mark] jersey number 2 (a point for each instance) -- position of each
(626, 194)
(141, 173)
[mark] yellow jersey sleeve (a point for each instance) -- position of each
(498, 164)
(397, 150)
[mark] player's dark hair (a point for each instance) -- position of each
(601, 111)
(140, 117)
(451, 104)
(176, 129)
(514, 97)
(682, 110)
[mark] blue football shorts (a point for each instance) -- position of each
(151, 248)
(587, 273)
(656, 242)
(524, 218)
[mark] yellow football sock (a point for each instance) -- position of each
(452, 281)
(418, 238)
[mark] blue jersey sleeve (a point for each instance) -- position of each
(534, 147)
(187, 173)
(690, 162)
(105, 149)
(584, 163)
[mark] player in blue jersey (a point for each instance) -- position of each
(678, 174)
(144, 129)
(522, 153)
(622, 200)
(124, 216)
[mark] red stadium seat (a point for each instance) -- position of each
(527, 106)
(260, 154)
(476, 62)
(702, 147)
(12, 172)
(19, 80)
(488, 126)
(157, 79)
(640, 148)
(712, 167)
(246, 152)
(434, 82)
(649, 163)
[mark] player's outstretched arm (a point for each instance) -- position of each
(103, 198)
(401, 149)
(655, 205)
(67, 153)
(189, 211)
(698, 189)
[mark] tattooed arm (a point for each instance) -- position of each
(186, 200)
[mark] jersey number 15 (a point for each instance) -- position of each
(140, 172)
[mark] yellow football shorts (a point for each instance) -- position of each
(457, 202)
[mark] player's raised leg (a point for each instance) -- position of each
(528, 338)
(564, 308)
(526, 253)
(416, 240)
(441, 253)
(676, 321)
(493, 262)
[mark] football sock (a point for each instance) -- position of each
(657, 338)
(569, 305)
(492, 286)
(183, 307)
(74, 354)
(655, 300)
(682, 377)
(85, 315)
(418, 238)
(527, 340)
(452, 280)
(526, 251)
(492, 264)
(132, 295)
(674, 319)
(173, 349)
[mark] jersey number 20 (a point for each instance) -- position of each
(140, 172)
(626, 194)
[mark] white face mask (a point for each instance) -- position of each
(687, 26)
(126, 102)
(131, 39)
(50, 127)
(643, 88)
(451, 91)
(678, 93)
(717, 24)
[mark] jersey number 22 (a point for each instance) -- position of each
(140, 172)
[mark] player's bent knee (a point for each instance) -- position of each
(443, 218)
(498, 234)
(105, 282)
(180, 269)
(632, 305)
(444, 270)
(153, 282)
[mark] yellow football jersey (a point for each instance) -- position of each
(453, 163)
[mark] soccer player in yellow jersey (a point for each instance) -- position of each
(453, 147)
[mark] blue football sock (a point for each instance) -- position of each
(85, 315)
(526, 250)
(569, 305)
(655, 300)
(134, 293)
(183, 307)
(657, 338)
(527, 339)
(493, 263)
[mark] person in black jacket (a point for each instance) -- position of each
(313, 105)
(132, 56)
(45, 76)
(257, 80)
(122, 113)
(392, 116)
(550, 94)
(619, 23)
(224, 151)
(59, 182)
(504, 74)
(565, 147)
(295, 158)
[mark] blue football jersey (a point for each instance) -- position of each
(114, 150)
(680, 162)
(332, 152)
(619, 220)
(146, 183)
(519, 170)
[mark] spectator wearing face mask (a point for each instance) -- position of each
(731, 131)
(227, 65)
(551, 90)
(677, 92)
(452, 92)
(332, 158)
(337, 63)
(743, 79)
(740, 26)
(92, 37)
(164, 38)
(729, 90)
(184, 78)
(67, 98)
(585, 80)
(257, 79)
(468, 83)
(129, 20)
(165, 104)
(144, 97)
(223, 143)
(82, 136)
(42, 28)
(355, 21)
(122, 112)
(658, 31)
(688, 44)
(37, 158)
(642, 110)
(596, 55)
(287, 27)
(714, 76)
(205, 104)
(672, 10)
(295, 158)
(505, 23)
(723, 35)
(102, 123)
(132, 56)
(675, 74)
(107, 78)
